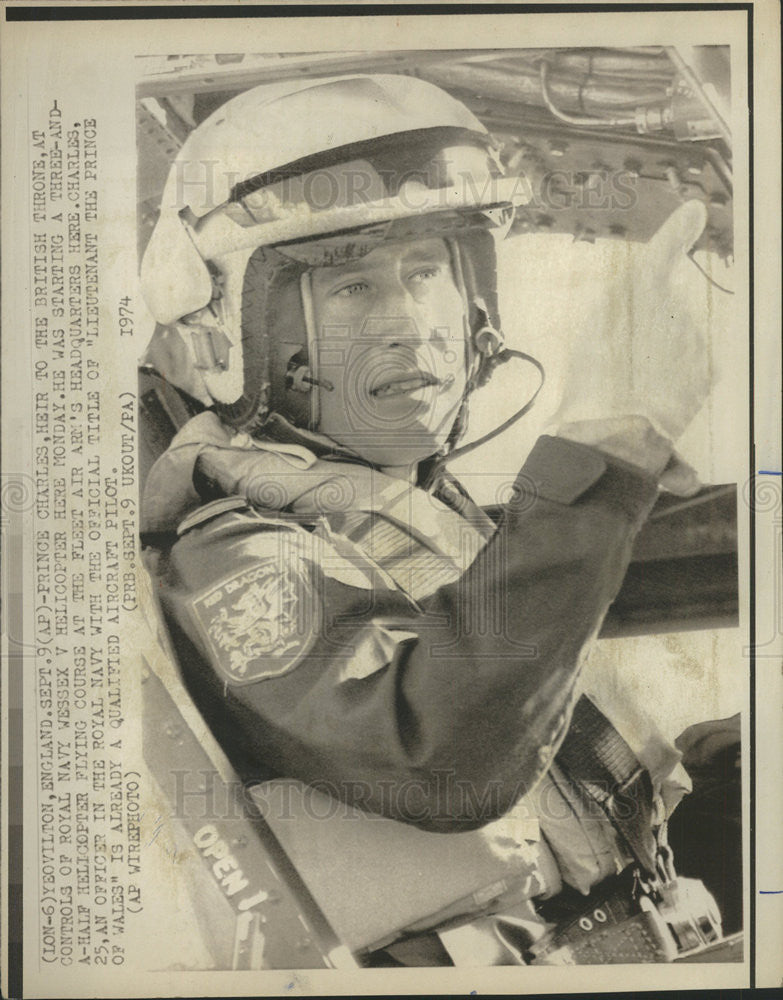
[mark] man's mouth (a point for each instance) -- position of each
(403, 384)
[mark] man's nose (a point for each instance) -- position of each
(393, 329)
(395, 316)
(407, 332)
(394, 324)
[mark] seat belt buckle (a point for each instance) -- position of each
(686, 905)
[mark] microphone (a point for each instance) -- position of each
(301, 380)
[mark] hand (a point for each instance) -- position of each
(644, 352)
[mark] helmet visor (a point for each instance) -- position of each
(353, 244)
(360, 201)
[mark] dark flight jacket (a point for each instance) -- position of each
(439, 707)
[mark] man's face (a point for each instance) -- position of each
(391, 340)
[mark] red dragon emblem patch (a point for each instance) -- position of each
(259, 622)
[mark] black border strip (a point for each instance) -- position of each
(172, 12)
(750, 924)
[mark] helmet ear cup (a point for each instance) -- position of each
(478, 257)
(478, 272)
(273, 333)
(488, 341)
(489, 347)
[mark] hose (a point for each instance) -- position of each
(576, 119)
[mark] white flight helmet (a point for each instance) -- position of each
(300, 174)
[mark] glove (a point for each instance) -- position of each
(644, 353)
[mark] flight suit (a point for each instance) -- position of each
(390, 646)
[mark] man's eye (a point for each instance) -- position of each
(353, 289)
(423, 274)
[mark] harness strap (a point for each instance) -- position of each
(595, 756)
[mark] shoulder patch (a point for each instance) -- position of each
(259, 622)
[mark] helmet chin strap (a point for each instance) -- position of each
(308, 310)
(302, 378)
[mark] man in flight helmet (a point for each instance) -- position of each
(341, 611)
